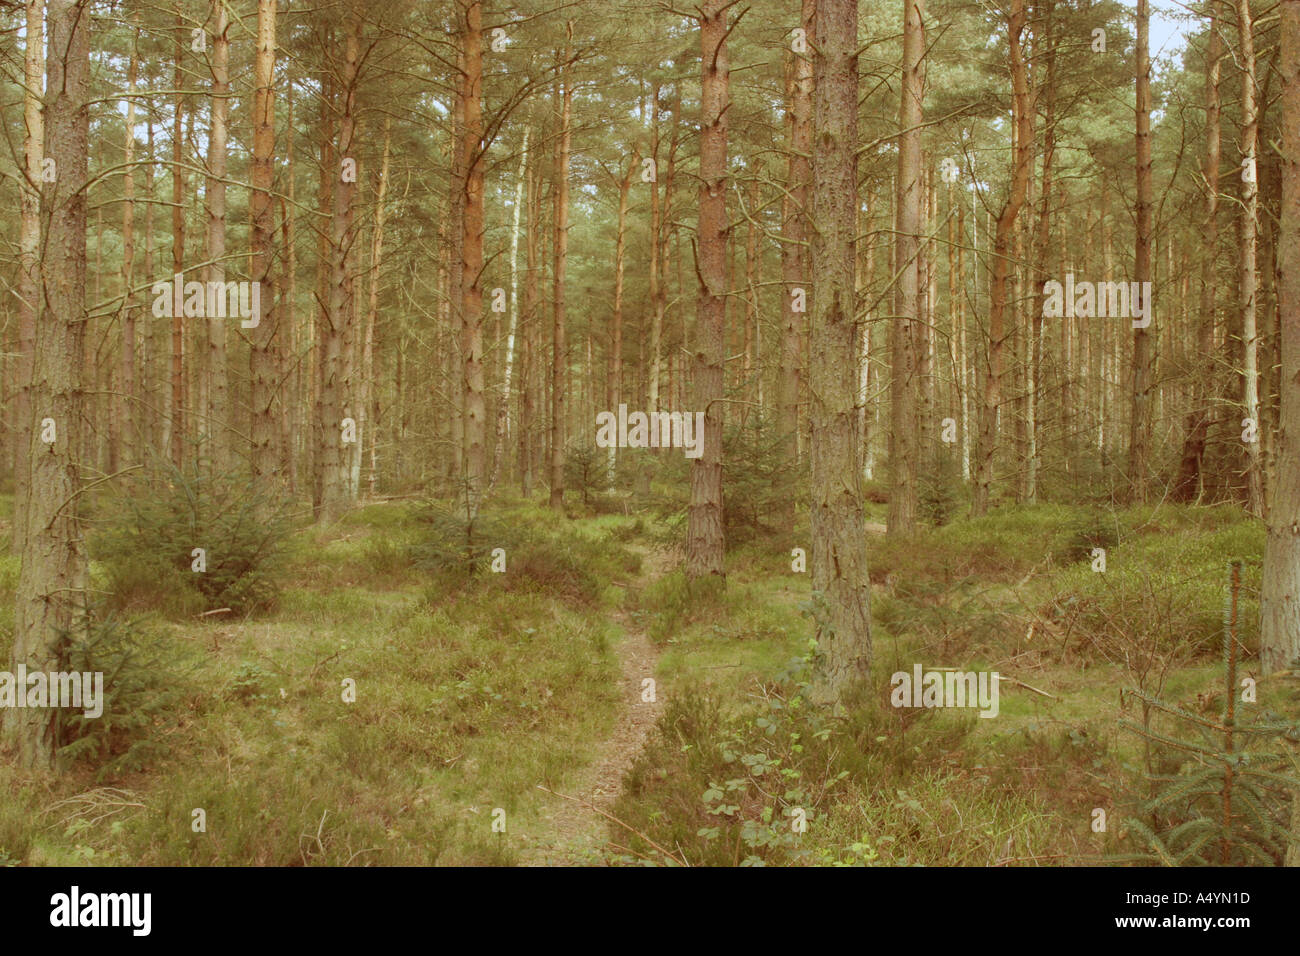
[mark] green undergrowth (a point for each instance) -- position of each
(374, 716)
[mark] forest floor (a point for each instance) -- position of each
(575, 827)
(499, 719)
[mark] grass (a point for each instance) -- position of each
(471, 688)
(465, 699)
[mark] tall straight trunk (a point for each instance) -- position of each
(290, 349)
(656, 264)
(559, 349)
(614, 392)
(1280, 586)
(503, 407)
(705, 542)
(794, 246)
(453, 237)
(749, 358)
(177, 409)
(901, 518)
(963, 349)
(328, 174)
(1248, 278)
(365, 385)
(1022, 119)
(29, 242)
(1139, 455)
(1041, 257)
(336, 358)
(262, 343)
(473, 407)
(150, 373)
(127, 406)
(51, 600)
(217, 413)
(836, 512)
(1188, 485)
(530, 352)
(923, 327)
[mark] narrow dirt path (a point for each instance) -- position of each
(569, 832)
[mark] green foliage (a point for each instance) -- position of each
(147, 547)
(146, 680)
(940, 490)
(540, 556)
(721, 786)
(760, 486)
(1229, 803)
(586, 469)
(1160, 593)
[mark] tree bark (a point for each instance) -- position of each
(365, 387)
(261, 357)
(336, 356)
(1139, 465)
(1248, 277)
(1189, 483)
(50, 602)
(176, 415)
(474, 409)
(794, 246)
(836, 513)
(29, 242)
(559, 348)
(901, 517)
(705, 543)
(1022, 119)
(217, 412)
(1280, 586)
(503, 407)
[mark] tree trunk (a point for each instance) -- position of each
(614, 391)
(559, 349)
(50, 602)
(705, 542)
(177, 410)
(336, 358)
(503, 407)
(901, 518)
(1280, 586)
(1143, 338)
(365, 386)
(1248, 277)
(656, 265)
(1188, 484)
(29, 242)
(836, 512)
(261, 357)
(217, 412)
(1022, 119)
(474, 410)
(794, 246)
(530, 352)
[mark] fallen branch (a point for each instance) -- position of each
(1027, 686)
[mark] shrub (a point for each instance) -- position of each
(145, 681)
(148, 547)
